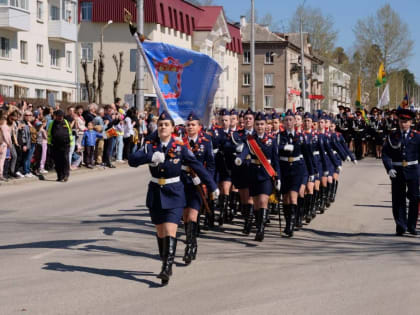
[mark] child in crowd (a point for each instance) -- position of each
(41, 146)
(88, 142)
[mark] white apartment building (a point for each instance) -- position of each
(337, 89)
(37, 49)
(203, 29)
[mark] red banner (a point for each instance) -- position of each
(316, 97)
(261, 157)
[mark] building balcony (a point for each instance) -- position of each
(62, 31)
(14, 18)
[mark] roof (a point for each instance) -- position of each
(262, 34)
(176, 14)
(208, 18)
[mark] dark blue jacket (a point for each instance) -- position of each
(172, 195)
(269, 148)
(397, 149)
(203, 151)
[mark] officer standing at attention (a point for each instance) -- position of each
(203, 151)
(165, 196)
(400, 155)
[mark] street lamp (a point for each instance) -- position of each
(102, 33)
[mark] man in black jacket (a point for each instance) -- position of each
(60, 138)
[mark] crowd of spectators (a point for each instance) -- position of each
(101, 136)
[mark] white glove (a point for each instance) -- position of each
(238, 162)
(355, 162)
(311, 178)
(348, 159)
(240, 148)
(196, 181)
(339, 168)
(158, 157)
(392, 173)
(215, 194)
(278, 184)
(289, 147)
(326, 173)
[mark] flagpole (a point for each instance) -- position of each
(252, 55)
(152, 75)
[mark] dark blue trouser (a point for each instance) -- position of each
(403, 189)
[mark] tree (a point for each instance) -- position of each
(266, 19)
(118, 65)
(101, 69)
(339, 56)
(388, 32)
(319, 27)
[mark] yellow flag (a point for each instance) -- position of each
(359, 93)
(381, 78)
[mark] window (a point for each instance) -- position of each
(315, 68)
(268, 101)
(86, 9)
(23, 4)
(55, 56)
(68, 59)
(39, 10)
(269, 58)
(84, 92)
(246, 99)
(181, 18)
(23, 51)
(39, 93)
(87, 52)
(21, 91)
(55, 13)
(4, 47)
(39, 54)
(187, 17)
(268, 79)
(171, 22)
(162, 14)
(193, 23)
(5, 3)
(176, 20)
(6, 90)
(247, 57)
(246, 79)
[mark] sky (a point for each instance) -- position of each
(345, 14)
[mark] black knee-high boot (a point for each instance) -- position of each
(327, 196)
(335, 190)
(307, 206)
(168, 257)
(289, 215)
(314, 204)
(248, 218)
(194, 241)
(160, 245)
(190, 228)
(260, 218)
(299, 213)
(323, 197)
(223, 206)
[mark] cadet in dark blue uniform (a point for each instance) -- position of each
(240, 176)
(203, 151)
(166, 196)
(260, 182)
(400, 155)
(330, 163)
(292, 149)
(234, 198)
(309, 137)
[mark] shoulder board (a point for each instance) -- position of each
(205, 139)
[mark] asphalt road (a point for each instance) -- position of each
(88, 247)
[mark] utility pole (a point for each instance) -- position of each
(302, 58)
(252, 56)
(140, 61)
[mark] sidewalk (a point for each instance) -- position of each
(52, 175)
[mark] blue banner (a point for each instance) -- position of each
(188, 79)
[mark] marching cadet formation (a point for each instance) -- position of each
(248, 165)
